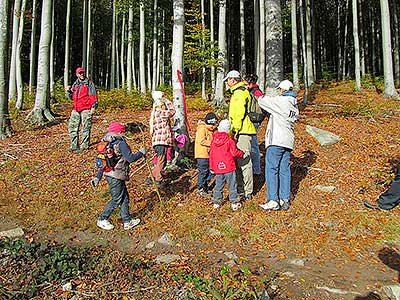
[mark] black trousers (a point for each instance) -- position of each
(391, 197)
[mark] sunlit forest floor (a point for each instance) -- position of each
(325, 239)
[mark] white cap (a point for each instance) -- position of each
(232, 74)
(224, 126)
(285, 85)
(157, 95)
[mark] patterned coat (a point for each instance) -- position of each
(160, 124)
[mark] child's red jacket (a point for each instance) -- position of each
(222, 153)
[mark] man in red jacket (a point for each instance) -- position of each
(223, 152)
(84, 96)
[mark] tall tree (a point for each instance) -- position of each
(396, 50)
(222, 55)
(84, 33)
(212, 39)
(113, 46)
(177, 63)
(295, 64)
(32, 54)
(89, 39)
(243, 70)
(261, 47)
(203, 46)
(51, 64)
(12, 84)
(256, 29)
(122, 57)
(129, 50)
(274, 43)
(67, 41)
(41, 109)
(18, 67)
(142, 37)
(390, 90)
(5, 125)
(357, 69)
(155, 46)
(309, 44)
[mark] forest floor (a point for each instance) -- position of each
(326, 246)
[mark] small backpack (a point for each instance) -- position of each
(256, 114)
(106, 158)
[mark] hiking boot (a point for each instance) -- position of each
(284, 204)
(270, 205)
(94, 182)
(374, 206)
(236, 206)
(131, 224)
(105, 224)
(204, 194)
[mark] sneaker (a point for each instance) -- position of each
(236, 206)
(374, 206)
(94, 182)
(284, 204)
(74, 150)
(270, 205)
(105, 224)
(204, 194)
(131, 224)
(216, 206)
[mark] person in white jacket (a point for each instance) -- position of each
(279, 143)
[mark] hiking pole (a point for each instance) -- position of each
(149, 168)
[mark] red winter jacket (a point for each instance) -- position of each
(84, 95)
(222, 153)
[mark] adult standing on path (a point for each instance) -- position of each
(242, 129)
(279, 142)
(84, 96)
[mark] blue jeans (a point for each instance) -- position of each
(255, 152)
(277, 172)
(230, 179)
(119, 197)
(205, 175)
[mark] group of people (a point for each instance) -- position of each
(226, 149)
(232, 155)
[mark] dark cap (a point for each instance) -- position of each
(211, 119)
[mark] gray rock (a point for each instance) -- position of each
(67, 287)
(288, 274)
(325, 138)
(150, 245)
(392, 291)
(297, 262)
(165, 239)
(16, 232)
(230, 255)
(167, 258)
(214, 232)
(326, 189)
(336, 291)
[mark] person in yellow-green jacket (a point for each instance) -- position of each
(242, 130)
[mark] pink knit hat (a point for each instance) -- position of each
(116, 127)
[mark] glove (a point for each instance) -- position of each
(143, 151)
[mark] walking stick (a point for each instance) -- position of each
(149, 168)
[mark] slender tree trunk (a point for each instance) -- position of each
(390, 90)
(84, 34)
(256, 36)
(203, 69)
(345, 39)
(117, 72)
(155, 47)
(5, 124)
(67, 42)
(12, 87)
(51, 63)
(339, 40)
(162, 54)
(18, 68)
(142, 68)
(261, 45)
(242, 40)
(122, 57)
(135, 84)
(148, 69)
(212, 40)
(274, 43)
(304, 51)
(129, 50)
(309, 43)
(177, 63)
(362, 43)
(41, 110)
(113, 44)
(356, 47)
(32, 54)
(396, 53)
(295, 63)
(89, 39)
(222, 64)
(373, 33)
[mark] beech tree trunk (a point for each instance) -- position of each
(356, 47)
(295, 63)
(242, 40)
(18, 68)
(155, 47)
(212, 40)
(12, 84)
(261, 47)
(67, 44)
(41, 110)
(142, 68)
(129, 51)
(32, 54)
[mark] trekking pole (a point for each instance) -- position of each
(149, 168)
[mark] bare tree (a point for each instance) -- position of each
(356, 47)
(129, 50)
(12, 83)
(142, 68)
(32, 54)
(41, 109)
(261, 47)
(155, 46)
(242, 40)
(295, 63)
(18, 69)
(5, 124)
(67, 41)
